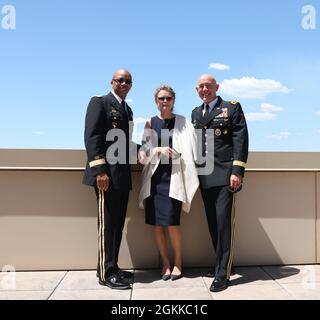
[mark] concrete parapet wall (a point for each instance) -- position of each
(48, 218)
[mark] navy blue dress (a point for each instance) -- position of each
(161, 210)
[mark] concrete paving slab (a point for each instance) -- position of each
(30, 281)
(247, 283)
(151, 279)
(106, 294)
(303, 291)
(294, 273)
(24, 295)
(246, 275)
(170, 293)
(253, 292)
(81, 280)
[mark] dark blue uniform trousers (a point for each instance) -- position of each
(112, 208)
(218, 202)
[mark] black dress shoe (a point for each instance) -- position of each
(219, 284)
(121, 273)
(125, 274)
(115, 282)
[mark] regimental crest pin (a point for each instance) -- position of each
(217, 132)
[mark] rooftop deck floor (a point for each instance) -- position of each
(296, 282)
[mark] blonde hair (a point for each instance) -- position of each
(164, 87)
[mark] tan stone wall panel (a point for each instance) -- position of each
(318, 218)
(48, 219)
(276, 219)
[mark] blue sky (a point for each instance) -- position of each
(63, 52)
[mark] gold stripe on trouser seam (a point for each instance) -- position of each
(233, 218)
(100, 236)
(103, 250)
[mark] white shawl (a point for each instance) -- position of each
(184, 179)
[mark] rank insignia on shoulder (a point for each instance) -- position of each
(234, 102)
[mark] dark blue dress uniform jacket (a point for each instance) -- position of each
(103, 114)
(230, 141)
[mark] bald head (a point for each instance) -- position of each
(207, 88)
(208, 78)
(120, 72)
(121, 82)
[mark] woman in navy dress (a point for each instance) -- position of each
(162, 211)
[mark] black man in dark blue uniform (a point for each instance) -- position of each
(110, 178)
(227, 123)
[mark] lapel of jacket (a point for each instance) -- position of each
(115, 103)
(130, 113)
(198, 115)
(215, 111)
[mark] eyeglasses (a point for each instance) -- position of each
(123, 80)
(165, 98)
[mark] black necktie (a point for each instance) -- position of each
(123, 103)
(206, 112)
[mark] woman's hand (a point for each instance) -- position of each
(167, 151)
(142, 156)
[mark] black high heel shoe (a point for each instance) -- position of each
(175, 276)
(165, 277)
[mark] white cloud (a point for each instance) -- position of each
(280, 136)
(318, 113)
(268, 112)
(38, 133)
(219, 66)
(267, 107)
(251, 88)
(260, 116)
